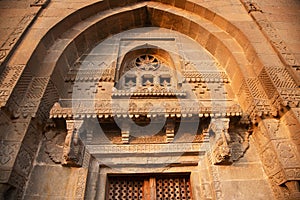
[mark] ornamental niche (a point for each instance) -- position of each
(147, 73)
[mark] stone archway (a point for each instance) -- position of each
(255, 90)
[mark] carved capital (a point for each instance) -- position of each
(73, 151)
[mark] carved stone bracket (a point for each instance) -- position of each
(125, 135)
(73, 151)
(221, 152)
(170, 126)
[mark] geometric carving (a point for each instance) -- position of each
(81, 183)
(103, 73)
(145, 148)
(7, 152)
(10, 75)
(155, 90)
(28, 103)
(24, 161)
(268, 85)
(277, 42)
(170, 126)
(116, 107)
(125, 130)
(50, 97)
(14, 37)
(287, 88)
(33, 96)
(8, 79)
(280, 77)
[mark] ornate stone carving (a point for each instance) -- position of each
(270, 32)
(221, 152)
(156, 90)
(145, 148)
(50, 97)
(14, 37)
(147, 62)
(27, 103)
(279, 156)
(54, 144)
(73, 150)
(8, 152)
(104, 73)
(24, 161)
(239, 143)
(81, 183)
(8, 79)
(106, 108)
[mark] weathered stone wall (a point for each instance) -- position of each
(256, 43)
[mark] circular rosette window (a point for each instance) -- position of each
(147, 62)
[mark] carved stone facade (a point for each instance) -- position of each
(203, 95)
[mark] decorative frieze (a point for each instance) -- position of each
(8, 79)
(107, 150)
(13, 38)
(155, 90)
(118, 108)
(192, 76)
(8, 152)
(106, 74)
(270, 32)
(81, 183)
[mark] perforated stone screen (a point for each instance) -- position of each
(149, 187)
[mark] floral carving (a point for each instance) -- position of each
(147, 62)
